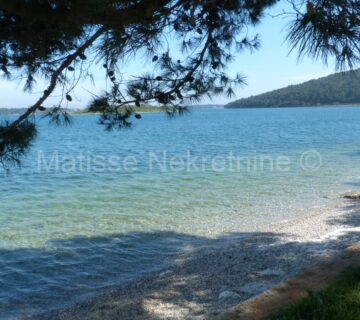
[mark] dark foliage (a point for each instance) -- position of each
(15, 142)
(327, 28)
(98, 104)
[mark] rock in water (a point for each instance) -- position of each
(353, 195)
(228, 295)
(254, 288)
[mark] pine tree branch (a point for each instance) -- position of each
(55, 76)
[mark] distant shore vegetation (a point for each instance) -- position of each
(143, 108)
(8, 111)
(98, 105)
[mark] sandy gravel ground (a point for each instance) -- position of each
(221, 276)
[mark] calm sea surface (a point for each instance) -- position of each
(90, 209)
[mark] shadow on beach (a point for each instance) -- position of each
(93, 277)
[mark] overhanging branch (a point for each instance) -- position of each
(55, 76)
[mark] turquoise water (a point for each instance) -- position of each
(118, 205)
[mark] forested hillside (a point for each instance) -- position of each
(338, 88)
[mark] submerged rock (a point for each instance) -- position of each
(271, 273)
(228, 295)
(353, 195)
(254, 288)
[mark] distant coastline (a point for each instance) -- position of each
(142, 109)
(16, 112)
(12, 111)
(19, 111)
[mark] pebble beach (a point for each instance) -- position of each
(237, 267)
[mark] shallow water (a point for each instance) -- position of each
(91, 209)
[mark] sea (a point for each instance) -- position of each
(89, 209)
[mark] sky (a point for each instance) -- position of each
(269, 68)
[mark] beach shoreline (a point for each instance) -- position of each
(215, 279)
